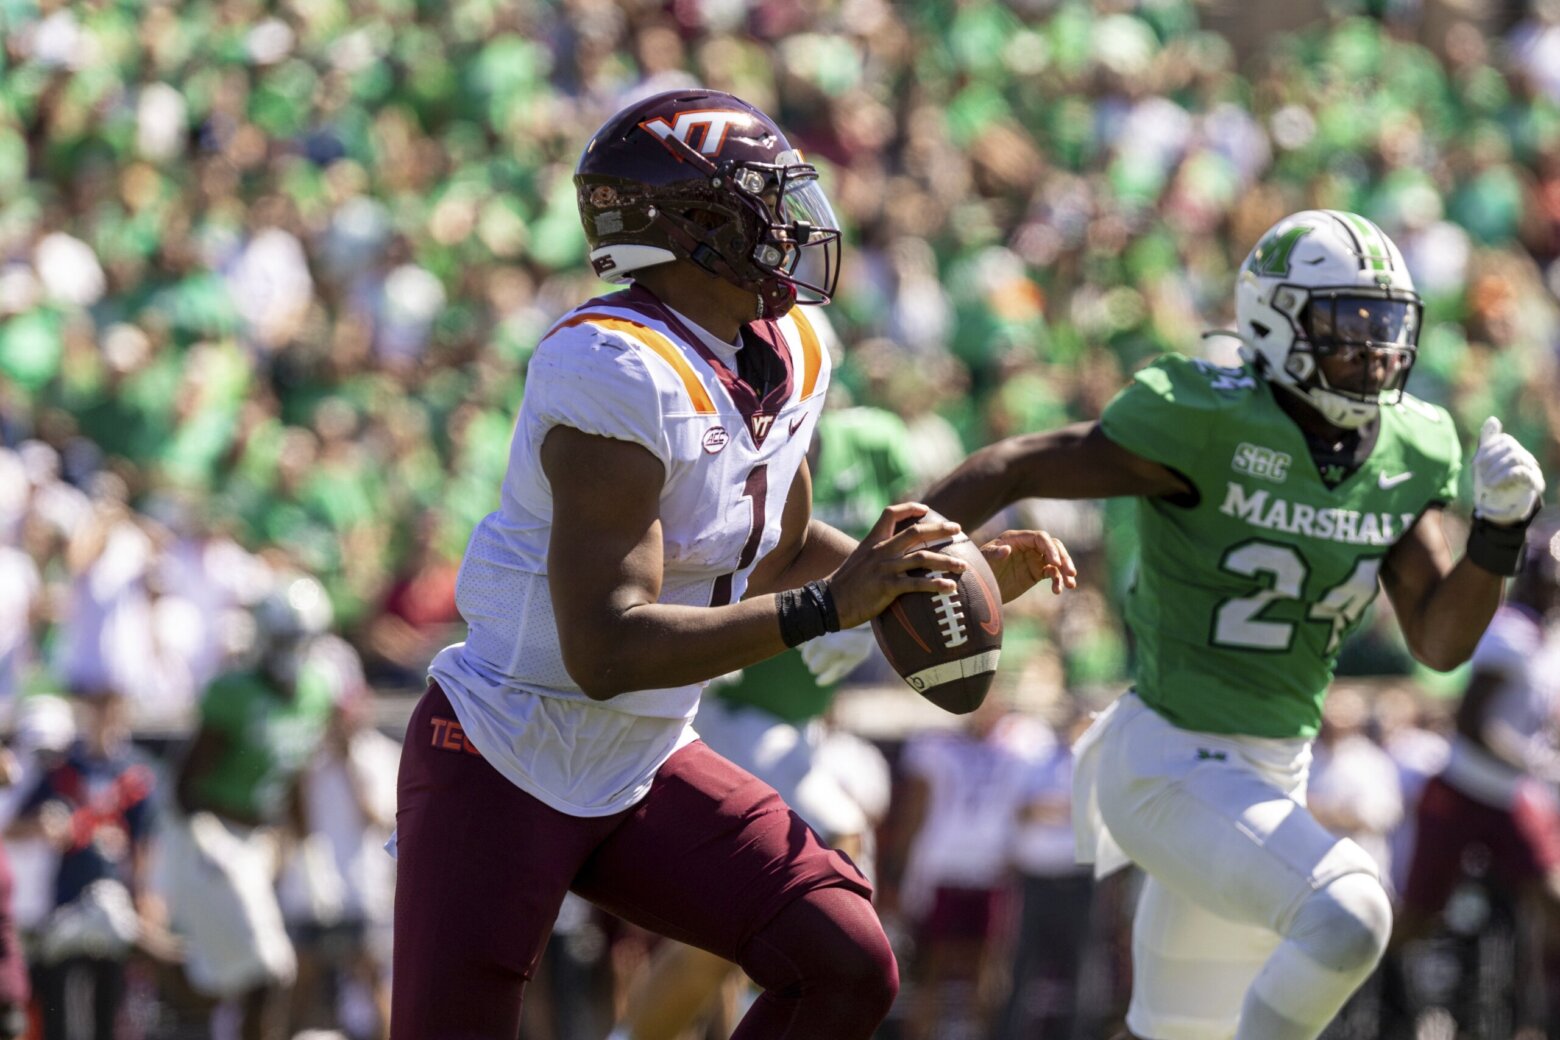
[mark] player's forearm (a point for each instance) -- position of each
(1077, 461)
(1454, 614)
(657, 646)
(822, 550)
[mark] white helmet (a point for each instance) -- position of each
(1323, 283)
(297, 607)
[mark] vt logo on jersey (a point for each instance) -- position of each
(1264, 463)
(704, 129)
(760, 424)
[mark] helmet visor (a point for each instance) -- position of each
(806, 233)
(1365, 345)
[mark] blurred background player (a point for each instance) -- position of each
(1272, 499)
(1055, 896)
(238, 804)
(337, 888)
(947, 871)
(1493, 806)
(96, 809)
(655, 531)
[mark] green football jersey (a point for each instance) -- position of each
(1242, 599)
(270, 739)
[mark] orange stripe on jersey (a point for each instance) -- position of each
(812, 353)
(660, 345)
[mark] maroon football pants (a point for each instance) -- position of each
(711, 857)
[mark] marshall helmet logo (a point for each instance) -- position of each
(716, 438)
(703, 129)
(603, 263)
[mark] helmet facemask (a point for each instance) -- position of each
(1325, 307)
(1376, 330)
(774, 232)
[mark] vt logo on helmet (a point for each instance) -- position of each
(1326, 284)
(703, 176)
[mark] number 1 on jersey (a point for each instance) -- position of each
(755, 490)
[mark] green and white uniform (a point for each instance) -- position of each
(270, 740)
(1243, 600)
(221, 873)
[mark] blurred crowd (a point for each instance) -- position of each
(270, 272)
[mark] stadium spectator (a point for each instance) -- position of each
(337, 889)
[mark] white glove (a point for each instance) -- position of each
(1507, 483)
(834, 655)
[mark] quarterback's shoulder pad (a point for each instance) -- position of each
(597, 379)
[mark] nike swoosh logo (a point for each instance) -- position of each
(1387, 483)
(796, 424)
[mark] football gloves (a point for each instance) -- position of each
(834, 655)
(1507, 483)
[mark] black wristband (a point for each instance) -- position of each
(1496, 548)
(800, 618)
(823, 597)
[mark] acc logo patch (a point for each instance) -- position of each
(1263, 463)
(716, 438)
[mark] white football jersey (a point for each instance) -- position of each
(628, 367)
(1525, 653)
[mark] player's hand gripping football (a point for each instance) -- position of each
(1507, 483)
(1023, 559)
(878, 572)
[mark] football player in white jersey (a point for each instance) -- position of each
(654, 532)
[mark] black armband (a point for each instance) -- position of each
(1498, 549)
(806, 613)
(823, 598)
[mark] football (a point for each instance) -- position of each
(946, 646)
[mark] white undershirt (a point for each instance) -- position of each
(727, 352)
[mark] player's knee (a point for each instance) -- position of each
(829, 944)
(1346, 924)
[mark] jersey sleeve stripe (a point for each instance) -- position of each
(812, 353)
(658, 345)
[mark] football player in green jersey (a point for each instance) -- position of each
(1273, 499)
(236, 788)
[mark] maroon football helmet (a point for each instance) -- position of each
(704, 176)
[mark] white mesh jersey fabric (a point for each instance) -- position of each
(613, 379)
